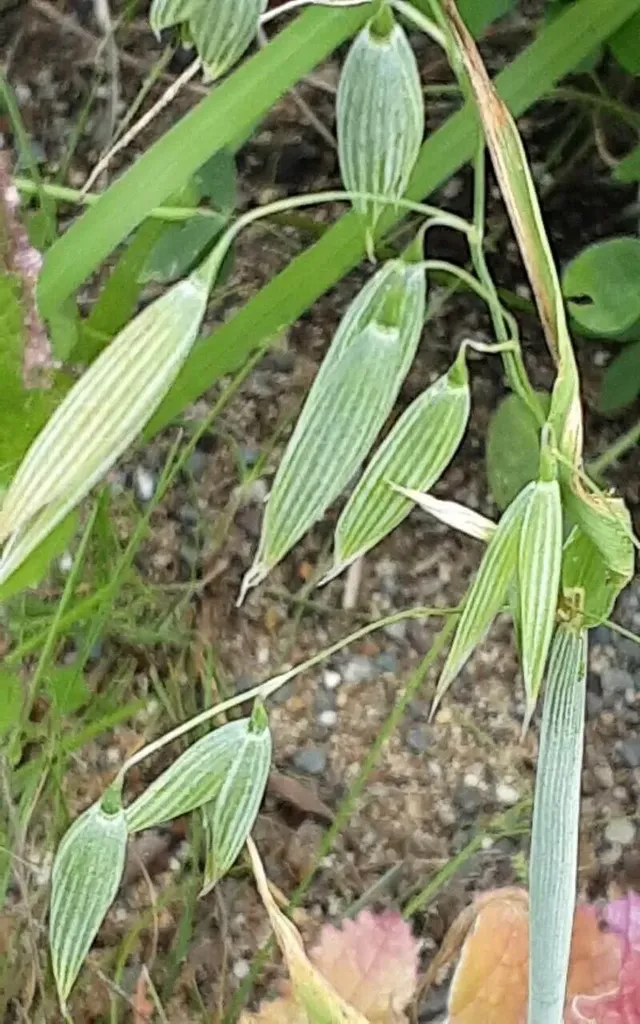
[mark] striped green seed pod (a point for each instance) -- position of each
(380, 116)
(335, 431)
(86, 874)
(228, 819)
(539, 564)
(489, 590)
(402, 281)
(167, 13)
(222, 30)
(414, 455)
(99, 418)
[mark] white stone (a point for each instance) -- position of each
(620, 830)
(144, 483)
(507, 795)
(331, 679)
(328, 718)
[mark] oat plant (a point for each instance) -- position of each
(561, 551)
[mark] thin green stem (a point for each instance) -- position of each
(615, 451)
(75, 196)
(270, 686)
(421, 22)
(626, 633)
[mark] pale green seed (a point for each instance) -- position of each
(380, 118)
(488, 592)
(414, 455)
(86, 874)
(99, 418)
(194, 778)
(222, 30)
(539, 563)
(230, 817)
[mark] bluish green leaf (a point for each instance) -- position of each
(625, 45)
(554, 835)
(621, 381)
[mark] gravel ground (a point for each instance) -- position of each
(435, 784)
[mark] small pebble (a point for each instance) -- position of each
(615, 681)
(358, 670)
(196, 463)
(65, 562)
(240, 969)
(507, 795)
(630, 751)
(144, 484)
(620, 830)
(469, 799)
(387, 661)
(396, 630)
(611, 856)
(328, 718)
(331, 679)
(419, 738)
(311, 761)
(603, 774)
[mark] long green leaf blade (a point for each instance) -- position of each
(488, 591)
(86, 874)
(193, 779)
(230, 818)
(554, 837)
(413, 455)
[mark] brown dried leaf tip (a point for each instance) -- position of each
(21, 259)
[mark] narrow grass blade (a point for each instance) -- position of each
(86, 874)
(380, 115)
(414, 455)
(488, 591)
(539, 563)
(336, 429)
(101, 415)
(229, 819)
(554, 837)
(194, 778)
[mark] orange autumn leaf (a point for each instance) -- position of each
(491, 980)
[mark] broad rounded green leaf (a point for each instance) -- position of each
(625, 45)
(86, 874)
(193, 779)
(621, 381)
(554, 834)
(602, 286)
(380, 115)
(512, 448)
(229, 818)
(413, 455)
(628, 170)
